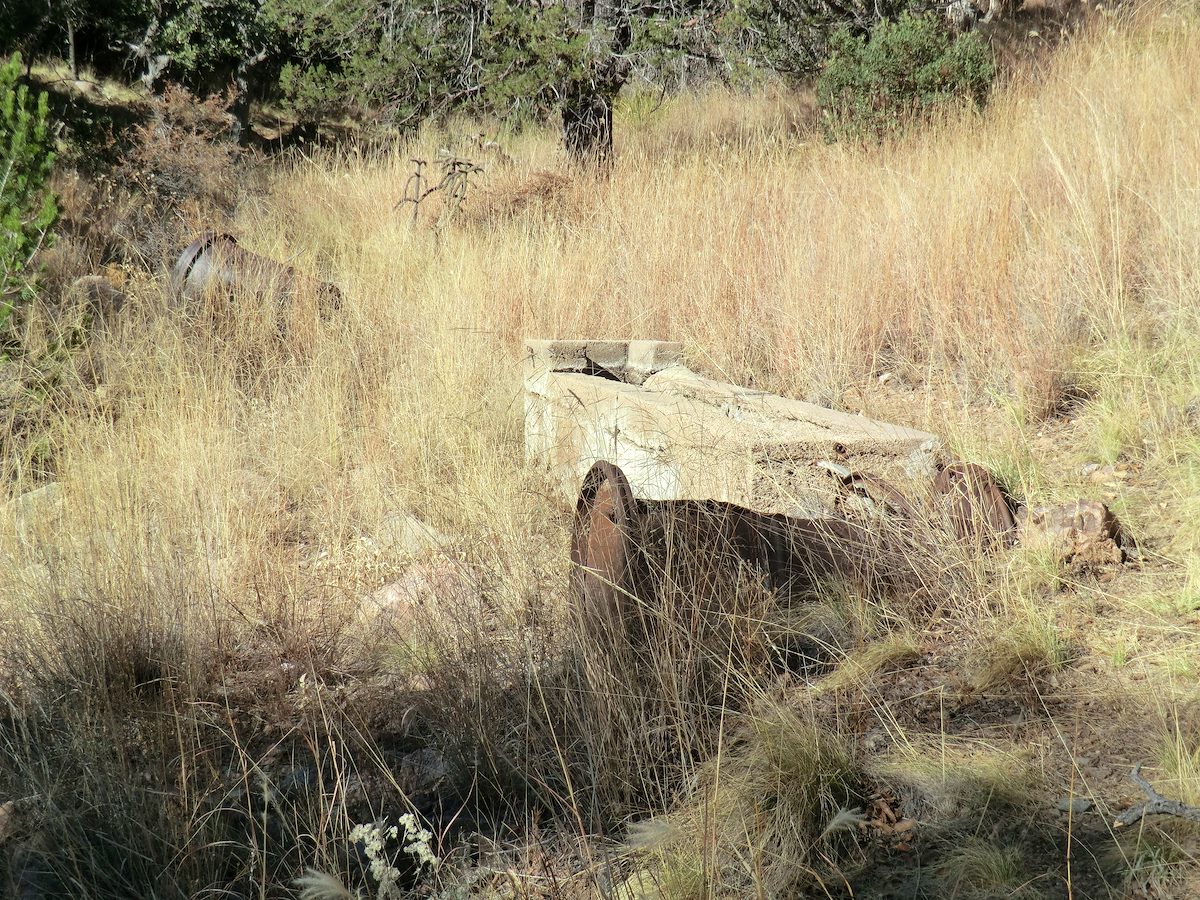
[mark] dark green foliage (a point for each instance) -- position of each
(397, 63)
(207, 39)
(904, 71)
(423, 60)
(400, 63)
(27, 206)
(526, 52)
(792, 37)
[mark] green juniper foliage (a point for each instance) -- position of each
(27, 206)
(877, 85)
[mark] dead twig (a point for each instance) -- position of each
(456, 176)
(1158, 805)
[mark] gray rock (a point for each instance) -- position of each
(1075, 805)
(409, 535)
(436, 582)
(99, 299)
(403, 534)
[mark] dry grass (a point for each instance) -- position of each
(228, 494)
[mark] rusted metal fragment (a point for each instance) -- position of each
(633, 559)
(605, 552)
(976, 507)
(1084, 534)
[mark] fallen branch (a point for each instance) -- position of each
(1158, 805)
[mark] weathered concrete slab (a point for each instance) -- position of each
(680, 436)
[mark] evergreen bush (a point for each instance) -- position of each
(902, 72)
(27, 206)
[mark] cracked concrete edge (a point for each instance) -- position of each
(632, 361)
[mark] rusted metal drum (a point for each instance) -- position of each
(216, 263)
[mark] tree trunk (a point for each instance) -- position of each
(587, 110)
(241, 105)
(587, 102)
(71, 59)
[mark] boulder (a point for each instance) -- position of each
(18, 817)
(403, 534)
(8, 820)
(437, 584)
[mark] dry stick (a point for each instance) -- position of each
(1158, 804)
(455, 180)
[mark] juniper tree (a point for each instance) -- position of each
(27, 206)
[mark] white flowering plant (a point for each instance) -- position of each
(375, 837)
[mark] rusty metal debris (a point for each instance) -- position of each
(977, 508)
(216, 263)
(1084, 534)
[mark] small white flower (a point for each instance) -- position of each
(416, 841)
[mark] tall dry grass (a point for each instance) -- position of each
(228, 493)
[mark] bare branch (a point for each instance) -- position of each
(1157, 805)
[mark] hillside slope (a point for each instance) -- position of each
(296, 575)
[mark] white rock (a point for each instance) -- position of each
(403, 534)
(436, 584)
(35, 511)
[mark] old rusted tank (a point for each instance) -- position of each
(216, 263)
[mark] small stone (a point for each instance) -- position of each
(35, 510)
(8, 819)
(1075, 805)
(1087, 470)
(403, 534)
(15, 816)
(98, 298)
(299, 780)
(436, 581)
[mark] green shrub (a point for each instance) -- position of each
(27, 207)
(874, 86)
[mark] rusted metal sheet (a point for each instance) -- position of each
(604, 548)
(975, 504)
